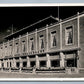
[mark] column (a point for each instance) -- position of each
(47, 38)
(60, 34)
(37, 61)
(9, 65)
(78, 52)
(48, 61)
(28, 62)
(13, 48)
(62, 60)
(36, 40)
(20, 63)
(8, 50)
(4, 63)
(3, 50)
(27, 42)
(0, 64)
(20, 44)
(14, 63)
(78, 63)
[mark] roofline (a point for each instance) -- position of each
(32, 25)
(45, 19)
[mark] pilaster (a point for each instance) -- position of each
(27, 42)
(36, 39)
(62, 60)
(48, 61)
(47, 38)
(28, 62)
(37, 61)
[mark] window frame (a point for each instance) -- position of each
(40, 43)
(23, 43)
(30, 45)
(51, 39)
(72, 35)
(17, 48)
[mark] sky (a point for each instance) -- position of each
(20, 17)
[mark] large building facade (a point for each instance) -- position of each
(47, 45)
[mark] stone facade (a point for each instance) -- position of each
(55, 47)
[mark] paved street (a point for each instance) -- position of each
(40, 75)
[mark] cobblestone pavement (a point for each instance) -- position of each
(39, 75)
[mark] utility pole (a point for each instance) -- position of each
(58, 13)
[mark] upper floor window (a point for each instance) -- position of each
(41, 42)
(23, 46)
(69, 35)
(31, 44)
(53, 39)
(5, 50)
(17, 48)
(11, 49)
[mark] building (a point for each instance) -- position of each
(47, 45)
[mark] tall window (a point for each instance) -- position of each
(11, 49)
(6, 50)
(16, 48)
(41, 42)
(53, 39)
(23, 46)
(69, 35)
(1, 51)
(31, 44)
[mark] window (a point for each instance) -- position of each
(55, 63)
(42, 63)
(32, 63)
(41, 42)
(71, 63)
(53, 39)
(10, 64)
(69, 35)
(17, 64)
(11, 49)
(7, 64)
(6, 50)
(2, 65)
(16, 48)
(31, 44)
(24, 64)
(23, 46)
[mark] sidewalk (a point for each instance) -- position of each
(39, 75)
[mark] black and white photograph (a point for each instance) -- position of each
(42, 42)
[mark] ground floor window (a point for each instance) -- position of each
(55, 63)
(17, 64)
(7, 64)
(2, 64)
(32, 63)
(10, 64)
(24, 64)
(42, 63)
(72, 63)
